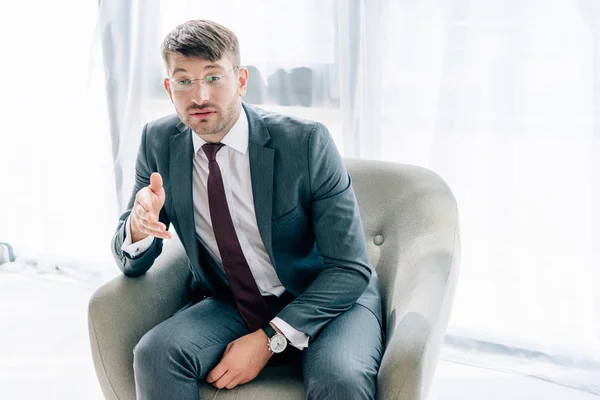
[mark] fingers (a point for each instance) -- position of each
(142, 207)
(148, 224)
(217, 372)
(222, 376)
(232, 384)
(148, 203)
(156, 182)
(145, 215)
(228, 380)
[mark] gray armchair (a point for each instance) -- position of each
(411, 225)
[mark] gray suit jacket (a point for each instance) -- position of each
(305, 207)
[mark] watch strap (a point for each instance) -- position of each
(269, 331)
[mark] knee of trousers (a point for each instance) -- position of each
(159, 353)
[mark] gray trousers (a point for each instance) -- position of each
(340, 363)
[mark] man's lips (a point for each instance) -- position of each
(202, 113)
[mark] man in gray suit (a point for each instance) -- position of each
(269, 221)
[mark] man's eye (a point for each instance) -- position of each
(212, 78)
(183, 82)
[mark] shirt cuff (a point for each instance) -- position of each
(137, 248)
(297, 339)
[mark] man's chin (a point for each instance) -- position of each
(200, 128)
(203, 132)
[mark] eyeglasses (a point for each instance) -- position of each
(211, 81)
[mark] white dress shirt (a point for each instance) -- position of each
(234, 163)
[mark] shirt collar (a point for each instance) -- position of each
(236, 138)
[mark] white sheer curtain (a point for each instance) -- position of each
(499, 97)
(57, 192)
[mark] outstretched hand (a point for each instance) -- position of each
(144, 215)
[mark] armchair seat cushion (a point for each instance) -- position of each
(274, 382)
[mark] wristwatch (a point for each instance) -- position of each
(277, 341)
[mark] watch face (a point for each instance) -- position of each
(278, 343)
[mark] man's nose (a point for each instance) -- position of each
(200, 92)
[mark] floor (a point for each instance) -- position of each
(44, 351)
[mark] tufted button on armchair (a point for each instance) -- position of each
(410, 221)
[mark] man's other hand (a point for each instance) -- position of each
(242, 361)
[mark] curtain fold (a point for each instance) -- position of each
(127, 31)
(360, 41)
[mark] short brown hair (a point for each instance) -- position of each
(201, 38)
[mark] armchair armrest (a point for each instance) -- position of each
(124, 309)
(419, 308)
(410, 219)
(419, 278)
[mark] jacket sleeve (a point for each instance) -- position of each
(339, 237)
(136, 266)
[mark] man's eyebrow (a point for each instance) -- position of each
(214, 66)
(208, 67)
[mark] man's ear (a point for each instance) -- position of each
(168, 88)
(242, 81)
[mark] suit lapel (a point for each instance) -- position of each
(261, 174)
(180, 177)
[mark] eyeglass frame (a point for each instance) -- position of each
(203, 81)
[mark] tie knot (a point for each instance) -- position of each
(211, 149)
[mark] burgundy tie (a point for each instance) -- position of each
(250, 303)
